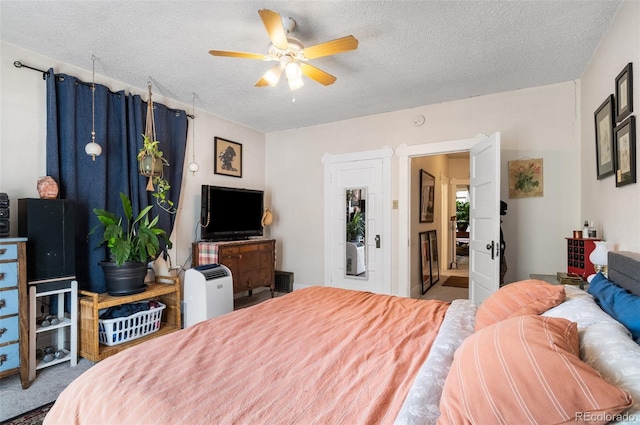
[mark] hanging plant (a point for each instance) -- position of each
(151, 162)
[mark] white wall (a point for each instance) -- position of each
(23, 141)
(613, 210)
(540, 122)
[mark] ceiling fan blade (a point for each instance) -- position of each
(273, 23)
(271, 77)
(316, 74)
(332, 47)
(237, 54)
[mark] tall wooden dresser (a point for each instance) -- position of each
(252, 262)
(14, 309)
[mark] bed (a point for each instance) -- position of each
(533, 352)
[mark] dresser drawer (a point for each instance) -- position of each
(8, 302)
(9, 356)
(8, 251)
(8, 275)
(8, 329)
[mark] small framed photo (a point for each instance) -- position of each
(425, 262)
(427, 196)
(624, 93)
(228, 158)
(604, 138)
(625, 152)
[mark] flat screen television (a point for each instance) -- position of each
(229, 213)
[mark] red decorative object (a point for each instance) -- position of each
(578, 250)
(47, 188)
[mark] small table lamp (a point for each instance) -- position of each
(599, 257)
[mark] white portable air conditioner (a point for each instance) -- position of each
(355, 258)
(208, 292)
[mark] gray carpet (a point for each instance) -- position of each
(48, 384)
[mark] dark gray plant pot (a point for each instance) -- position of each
(126, 279)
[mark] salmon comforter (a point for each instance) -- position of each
(317, 355)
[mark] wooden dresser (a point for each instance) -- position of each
(14, 309)
(252, 262)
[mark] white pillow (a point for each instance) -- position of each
(608, 348)
(606, 345)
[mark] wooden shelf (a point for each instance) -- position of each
(91, 303)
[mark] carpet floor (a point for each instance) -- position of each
(32, 417)
(457, 282)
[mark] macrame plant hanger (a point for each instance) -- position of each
(150, 132)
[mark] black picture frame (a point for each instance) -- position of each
(425, 262)
(603, 117)
(228, 158)
(625, 152)
(624, 93)
(434, 257)
(427, 197)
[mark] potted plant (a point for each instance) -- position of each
(462, 215)
(355, 227)
(151, 163)
(132, 243)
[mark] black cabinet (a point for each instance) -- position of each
(49, 225)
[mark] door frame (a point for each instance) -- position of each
(405, 153)
(328, 160)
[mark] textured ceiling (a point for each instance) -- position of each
(411, 53)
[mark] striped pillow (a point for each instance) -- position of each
(517, 299)
(527, 370)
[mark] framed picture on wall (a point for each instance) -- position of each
(604, 138)
(525, 178)
(427, 197)
(624, 93)
(433, 257)
(425, 262)
(228, 158)
(625, 152)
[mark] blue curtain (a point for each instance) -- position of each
(119, 124)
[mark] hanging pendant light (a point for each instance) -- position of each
(193, 165)
(93, 148)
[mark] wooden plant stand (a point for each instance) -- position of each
(91, 303)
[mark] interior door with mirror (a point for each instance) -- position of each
(354, 241)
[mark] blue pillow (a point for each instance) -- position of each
(617, 302)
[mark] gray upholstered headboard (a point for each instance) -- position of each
(624, 270)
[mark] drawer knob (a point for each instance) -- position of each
(2, 331)
(1, 276)
(3, 251)
(3, 358)
(3, 303)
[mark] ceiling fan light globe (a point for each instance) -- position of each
(293, 70)
(296, 83)
(273, 75)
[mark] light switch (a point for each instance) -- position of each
(395, 204)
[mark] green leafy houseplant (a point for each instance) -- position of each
(355, 227)
(462, 214)
(130, 239)
(151, 162)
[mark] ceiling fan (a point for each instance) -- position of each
(291, 54)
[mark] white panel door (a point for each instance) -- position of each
(365, 175)
(484, 246)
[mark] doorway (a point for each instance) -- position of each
(484, 218)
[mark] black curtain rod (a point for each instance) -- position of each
(19, 64)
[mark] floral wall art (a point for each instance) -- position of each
(525, 178)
